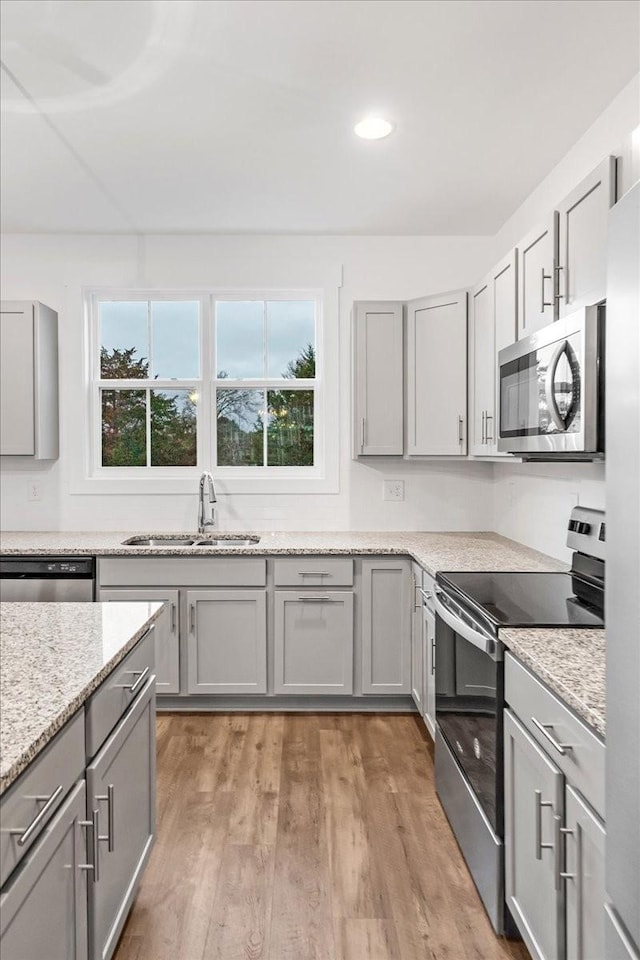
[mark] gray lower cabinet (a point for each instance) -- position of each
(167, 632)
(417, 641)
(429, 656)
(534, 799)
(584, 873)
(313, 642)
(121, 789)
(226, 641)
(43, 908)
(386, 626)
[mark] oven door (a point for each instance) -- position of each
(548, 389)
(469, 702)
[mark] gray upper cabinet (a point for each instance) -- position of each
(386, 626)
(313, 644)
(584, 873)
(28, 380)
(533, 802)
(43, 908)
(537, 261)
(166, 634)
(121, 788)
(437, 375)
(226, 641)
(582, 255)
(378, 379)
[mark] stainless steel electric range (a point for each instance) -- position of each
(471, 608)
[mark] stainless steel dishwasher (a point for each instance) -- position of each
(47, 578)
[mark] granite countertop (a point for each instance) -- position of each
(433, 551)
(52, 657)
(571, 662)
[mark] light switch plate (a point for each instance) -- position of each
(393, 490)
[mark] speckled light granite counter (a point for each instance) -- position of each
(52, 657)
(433, 551)
(571, 662)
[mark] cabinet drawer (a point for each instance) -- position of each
(51, 775)
(118, 692)
(184, 571)
(578, 752)
(313, 572)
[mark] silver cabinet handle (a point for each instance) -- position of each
(427, 596)
(484, 414)
(417, 604)
(313, 573)
(319, 600)
(94, 827)
(542, 727)
(489, 416)
(558, 295)
(460, 430)
(433, 656)
(362, 433)
(539, 804)
(27, 833)
(545, 303)
(141, 676)
(109, 838)
(192, 618)
(173, 616)
(558, 831)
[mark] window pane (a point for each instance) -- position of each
(124, 428)
(290, 428)
(173, 428)
(240, 339)
(291, 338)
(124, 340)
(175, 332)
(240, 428)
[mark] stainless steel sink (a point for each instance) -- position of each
(169, 541)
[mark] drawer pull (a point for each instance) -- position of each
(544, 730)
(313, 573)
(318, 600)
(141, 676)
(94, 827)
(40, 817)
(540, 846)
(109, 838)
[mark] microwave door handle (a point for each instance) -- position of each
(549, 391)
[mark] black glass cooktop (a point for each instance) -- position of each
(528, 599)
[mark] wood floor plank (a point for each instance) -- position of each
(304, 837)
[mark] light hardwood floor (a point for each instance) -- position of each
(303, 837)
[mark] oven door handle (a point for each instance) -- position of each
(479, 639)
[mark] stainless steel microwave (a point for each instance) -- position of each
(551, 390)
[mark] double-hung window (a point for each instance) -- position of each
(184, 383)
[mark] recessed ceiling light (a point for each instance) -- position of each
(373, 128)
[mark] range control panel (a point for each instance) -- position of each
(587, 532)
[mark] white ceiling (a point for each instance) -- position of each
(234, 116)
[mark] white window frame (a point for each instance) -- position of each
(322, 477)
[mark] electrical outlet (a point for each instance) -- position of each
(33, 492)
(393, 490)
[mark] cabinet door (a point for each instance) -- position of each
(227, 641)
(583, 240)
(43, 908)
(429, 634)
(17, 387)
(483, 364)
(378, 379)
(121, 786)
(437, 375)
(537, 260)
(313, 649)
(533, 798)
(417, 642)
(166, 638)
(504, 283)
(585, 888)
(386, 627)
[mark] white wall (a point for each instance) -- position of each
(55, 268)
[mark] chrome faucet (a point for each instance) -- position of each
(206, 480)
